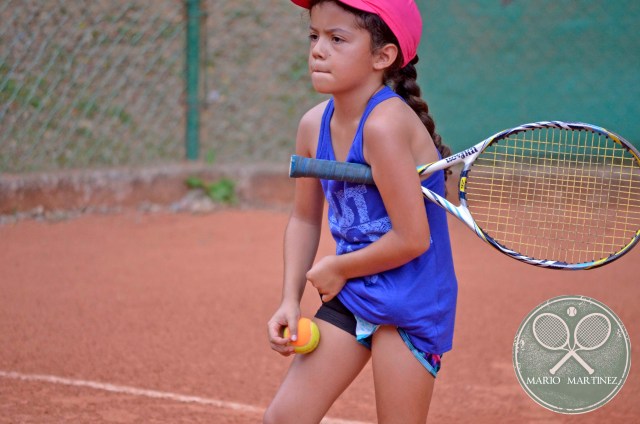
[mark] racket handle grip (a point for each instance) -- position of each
(330, 170)
(576, 357)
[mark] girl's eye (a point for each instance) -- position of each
(313, 37)
(337, 40)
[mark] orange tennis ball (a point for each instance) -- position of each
(308, 336)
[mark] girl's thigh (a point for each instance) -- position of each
(403, 385)
(314, 381)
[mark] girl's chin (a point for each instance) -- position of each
(320, 84)
(322, 89)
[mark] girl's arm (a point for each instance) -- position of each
(301, 239)
(395, 143)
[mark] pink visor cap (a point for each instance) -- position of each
(402, 17)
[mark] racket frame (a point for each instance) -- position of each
(573, 351)
(565, 346)
(301, 167)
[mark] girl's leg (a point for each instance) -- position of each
(315, 381)
(403, 386)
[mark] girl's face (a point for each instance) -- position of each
(340, 51)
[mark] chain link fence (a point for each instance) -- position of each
(256, 79)
(97, 83)
(89, 83)
(94, 83)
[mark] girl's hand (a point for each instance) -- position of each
(287, 315)
(326, 277)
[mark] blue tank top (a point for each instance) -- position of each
(420, 296)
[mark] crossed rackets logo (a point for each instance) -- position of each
(557, 347)
(552, 333)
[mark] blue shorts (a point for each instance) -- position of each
(334, 312)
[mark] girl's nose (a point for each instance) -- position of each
(318, 49)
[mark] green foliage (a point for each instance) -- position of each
(220, 191)
(210, 157)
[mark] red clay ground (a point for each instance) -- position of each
(162, 319)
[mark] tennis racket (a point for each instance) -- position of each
(551, 194)
(552, 333)
(590, 333)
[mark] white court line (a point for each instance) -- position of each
(134, 391)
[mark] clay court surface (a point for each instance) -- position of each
(161, 318)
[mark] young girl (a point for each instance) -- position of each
(389, 293)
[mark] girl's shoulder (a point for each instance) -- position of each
(391, 116)
(309, 129)
(314, 115)
(394, 120)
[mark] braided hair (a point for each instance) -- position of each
(403, 81)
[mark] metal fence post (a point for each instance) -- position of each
(192, 80)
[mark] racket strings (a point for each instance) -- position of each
(569, 195)
(550, 332)
(592, 332)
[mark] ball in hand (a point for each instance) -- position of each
(308, 336)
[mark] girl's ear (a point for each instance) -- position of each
(385, 56)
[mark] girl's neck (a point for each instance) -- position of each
(350, 106)
(348, 110)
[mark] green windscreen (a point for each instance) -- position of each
(490, 65)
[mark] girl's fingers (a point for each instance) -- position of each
(281, 345)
